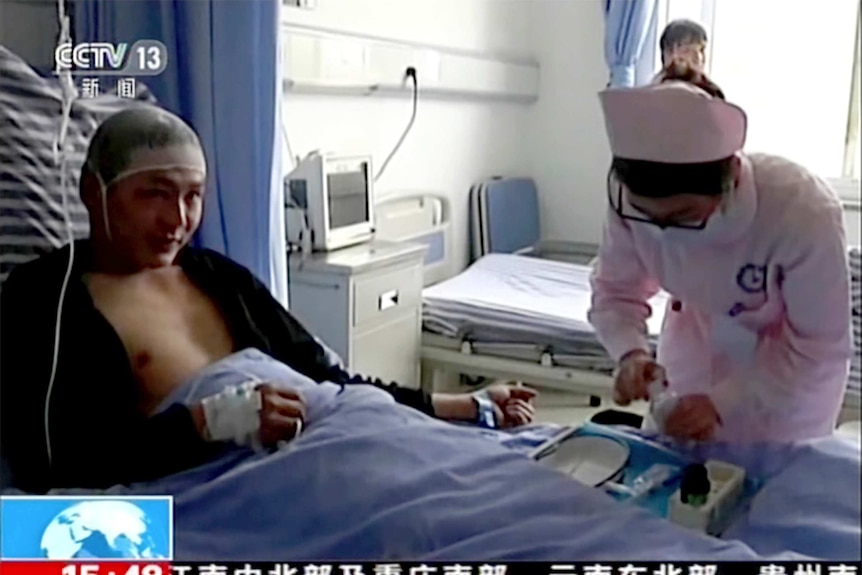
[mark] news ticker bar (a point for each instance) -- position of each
(607, 568)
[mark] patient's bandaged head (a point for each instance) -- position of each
(140, 139)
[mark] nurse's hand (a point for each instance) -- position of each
(636, 371)
(693, 417)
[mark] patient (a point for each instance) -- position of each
(143, 313)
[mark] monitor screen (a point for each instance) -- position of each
(348, 196)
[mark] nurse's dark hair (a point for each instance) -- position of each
(680, 32)
(657, 179)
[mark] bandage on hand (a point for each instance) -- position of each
(234, 414)
(255, 415)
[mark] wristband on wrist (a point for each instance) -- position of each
(486, 416)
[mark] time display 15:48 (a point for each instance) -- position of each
(114, 569)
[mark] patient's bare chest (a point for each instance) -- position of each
(169, 327)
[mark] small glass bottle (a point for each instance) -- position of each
(695, 485)
(662, 401)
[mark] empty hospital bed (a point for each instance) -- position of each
(519, 310)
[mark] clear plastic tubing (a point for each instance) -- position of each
(651, 479)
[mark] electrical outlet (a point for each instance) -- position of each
(304, 4)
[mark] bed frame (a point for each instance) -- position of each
(424, 218)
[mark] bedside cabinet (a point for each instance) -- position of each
(364, 302)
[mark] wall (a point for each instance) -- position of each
(452, 143)
(558, 140)
(569, 154)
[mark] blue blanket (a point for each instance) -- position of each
(372, 480)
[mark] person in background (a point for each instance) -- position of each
(751, 248)
(142, 313)
(685, 41)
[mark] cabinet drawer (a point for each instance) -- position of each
(380, 295)
(390, 351)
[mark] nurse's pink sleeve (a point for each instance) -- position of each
(803, 365)
(622, 288)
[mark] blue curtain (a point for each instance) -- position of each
(223, 77)
(629, 26)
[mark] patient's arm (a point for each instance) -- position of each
(292, 344)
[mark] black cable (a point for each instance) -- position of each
(288, 202)
(411, 74)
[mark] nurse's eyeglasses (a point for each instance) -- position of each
(627, 212)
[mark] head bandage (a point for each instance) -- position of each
(674, 123)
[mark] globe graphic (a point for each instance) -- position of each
(101, 530)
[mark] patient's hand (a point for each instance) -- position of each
(282, 415)
(693, 417)
(513, 405)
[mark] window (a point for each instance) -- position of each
(853, 153)
(793, 65)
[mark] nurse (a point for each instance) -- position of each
(756, 341)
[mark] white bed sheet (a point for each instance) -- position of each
(506, 298)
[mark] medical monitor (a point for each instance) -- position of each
(331, 198)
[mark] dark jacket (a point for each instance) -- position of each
(98, 438)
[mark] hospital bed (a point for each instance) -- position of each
(329, 496)
(519, 311)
